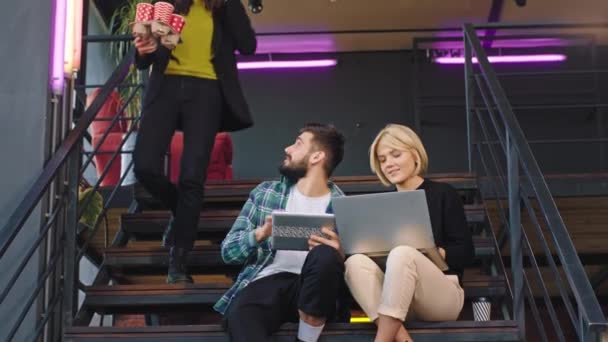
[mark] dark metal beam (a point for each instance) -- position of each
(493, 17)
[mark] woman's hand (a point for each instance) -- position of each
(145, 46)
(332, 240)
(441, 252)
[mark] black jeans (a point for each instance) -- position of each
(195, 105)
(265, 304)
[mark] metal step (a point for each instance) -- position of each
(216, 223)
(235, 192)
(490, 331)
(146, 298)
(208, 256)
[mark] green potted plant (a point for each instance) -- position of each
(94, 206)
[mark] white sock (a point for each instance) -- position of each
(309, 333)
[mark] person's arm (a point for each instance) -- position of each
(241, 242)
(146, 52)
(457, 238)
(240, 27)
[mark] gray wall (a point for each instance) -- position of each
(358, 96)
(367, 90)
(100, 66)
(23, 97)
(99, 62)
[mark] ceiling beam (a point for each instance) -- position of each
(493, 17)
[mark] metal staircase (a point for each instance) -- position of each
(504, 182)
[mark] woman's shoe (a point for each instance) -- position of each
(178, 272)
(167, 238)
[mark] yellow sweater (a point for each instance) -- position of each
(194, 53)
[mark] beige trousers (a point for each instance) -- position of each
(412, 287)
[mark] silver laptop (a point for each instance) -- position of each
(374, 224)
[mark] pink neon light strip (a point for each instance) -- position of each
(59, 22)
(320, 63)
(506, 59)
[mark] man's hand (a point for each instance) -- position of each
(145, 46)
(264, 232)
(332, 240)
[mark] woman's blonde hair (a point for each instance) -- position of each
(401, 138)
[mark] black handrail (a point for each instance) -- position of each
(577, 33)
(525, 196)
(591, 317)
(536, 226)
(48, 271)
(29, 202)
(113, 122)
(548, 304)
(61, 173)
(106, 206)
(42, 235)
(46, 316)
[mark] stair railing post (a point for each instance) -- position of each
(71, 267)
(516, 234)
(469, 83)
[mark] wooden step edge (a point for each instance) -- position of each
(340, 179)
(291, 327)
(475, 281)
(218, 213)
(478, 241)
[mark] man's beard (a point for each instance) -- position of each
(295, 170)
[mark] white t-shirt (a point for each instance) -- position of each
(292, 261)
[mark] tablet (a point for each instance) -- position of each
(291, 231)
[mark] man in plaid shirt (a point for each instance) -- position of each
(275, 287)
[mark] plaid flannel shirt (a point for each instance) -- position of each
(240, 245)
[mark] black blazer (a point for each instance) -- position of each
(449, 224)
(232, 31)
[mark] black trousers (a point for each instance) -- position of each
(195, 105)
(265, 304)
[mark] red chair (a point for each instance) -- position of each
(220, 165)
(112, 141)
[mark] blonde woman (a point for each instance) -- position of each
(412, 286)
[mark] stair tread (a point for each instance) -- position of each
(352, 183)
(352, 179)
(151, 223)
(150, 253)
(292, 326)
(235, 192)
(222, 213)
(204, 246)
(421, 331)
(469, 280)
(118, 298)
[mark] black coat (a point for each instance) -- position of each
(232, 31)
(449, 224)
